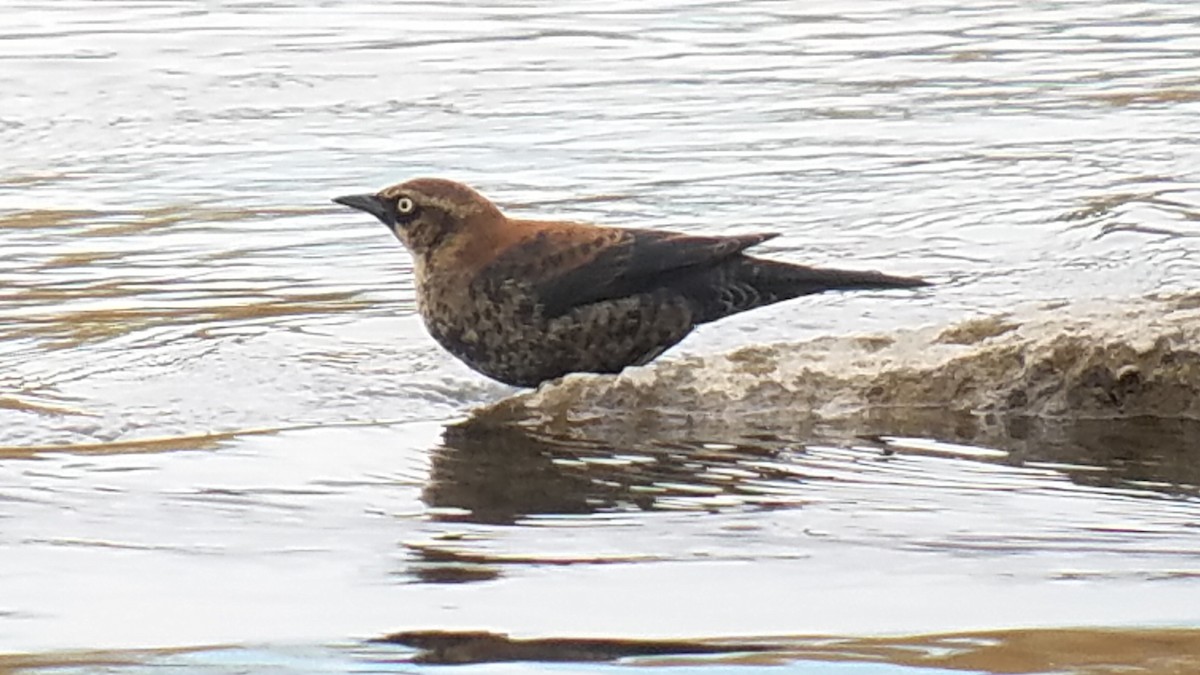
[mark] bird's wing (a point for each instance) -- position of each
(581, 266)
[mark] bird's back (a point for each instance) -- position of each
(566, 266)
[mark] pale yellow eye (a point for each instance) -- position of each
(405, 206)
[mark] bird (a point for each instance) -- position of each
(529, 301)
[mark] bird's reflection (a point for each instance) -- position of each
(497, 474)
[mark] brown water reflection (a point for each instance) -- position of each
(1081, 652)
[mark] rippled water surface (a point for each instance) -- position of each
(222, 423)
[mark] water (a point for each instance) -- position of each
(221, 422)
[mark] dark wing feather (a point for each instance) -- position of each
(605, 264)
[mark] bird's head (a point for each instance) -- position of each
(428, 214)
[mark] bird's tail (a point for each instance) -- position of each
(745, 283)
(796, 280)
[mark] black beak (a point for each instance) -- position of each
(372, 205)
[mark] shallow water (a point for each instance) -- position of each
(222, 423)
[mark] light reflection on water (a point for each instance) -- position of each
(173, 278)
